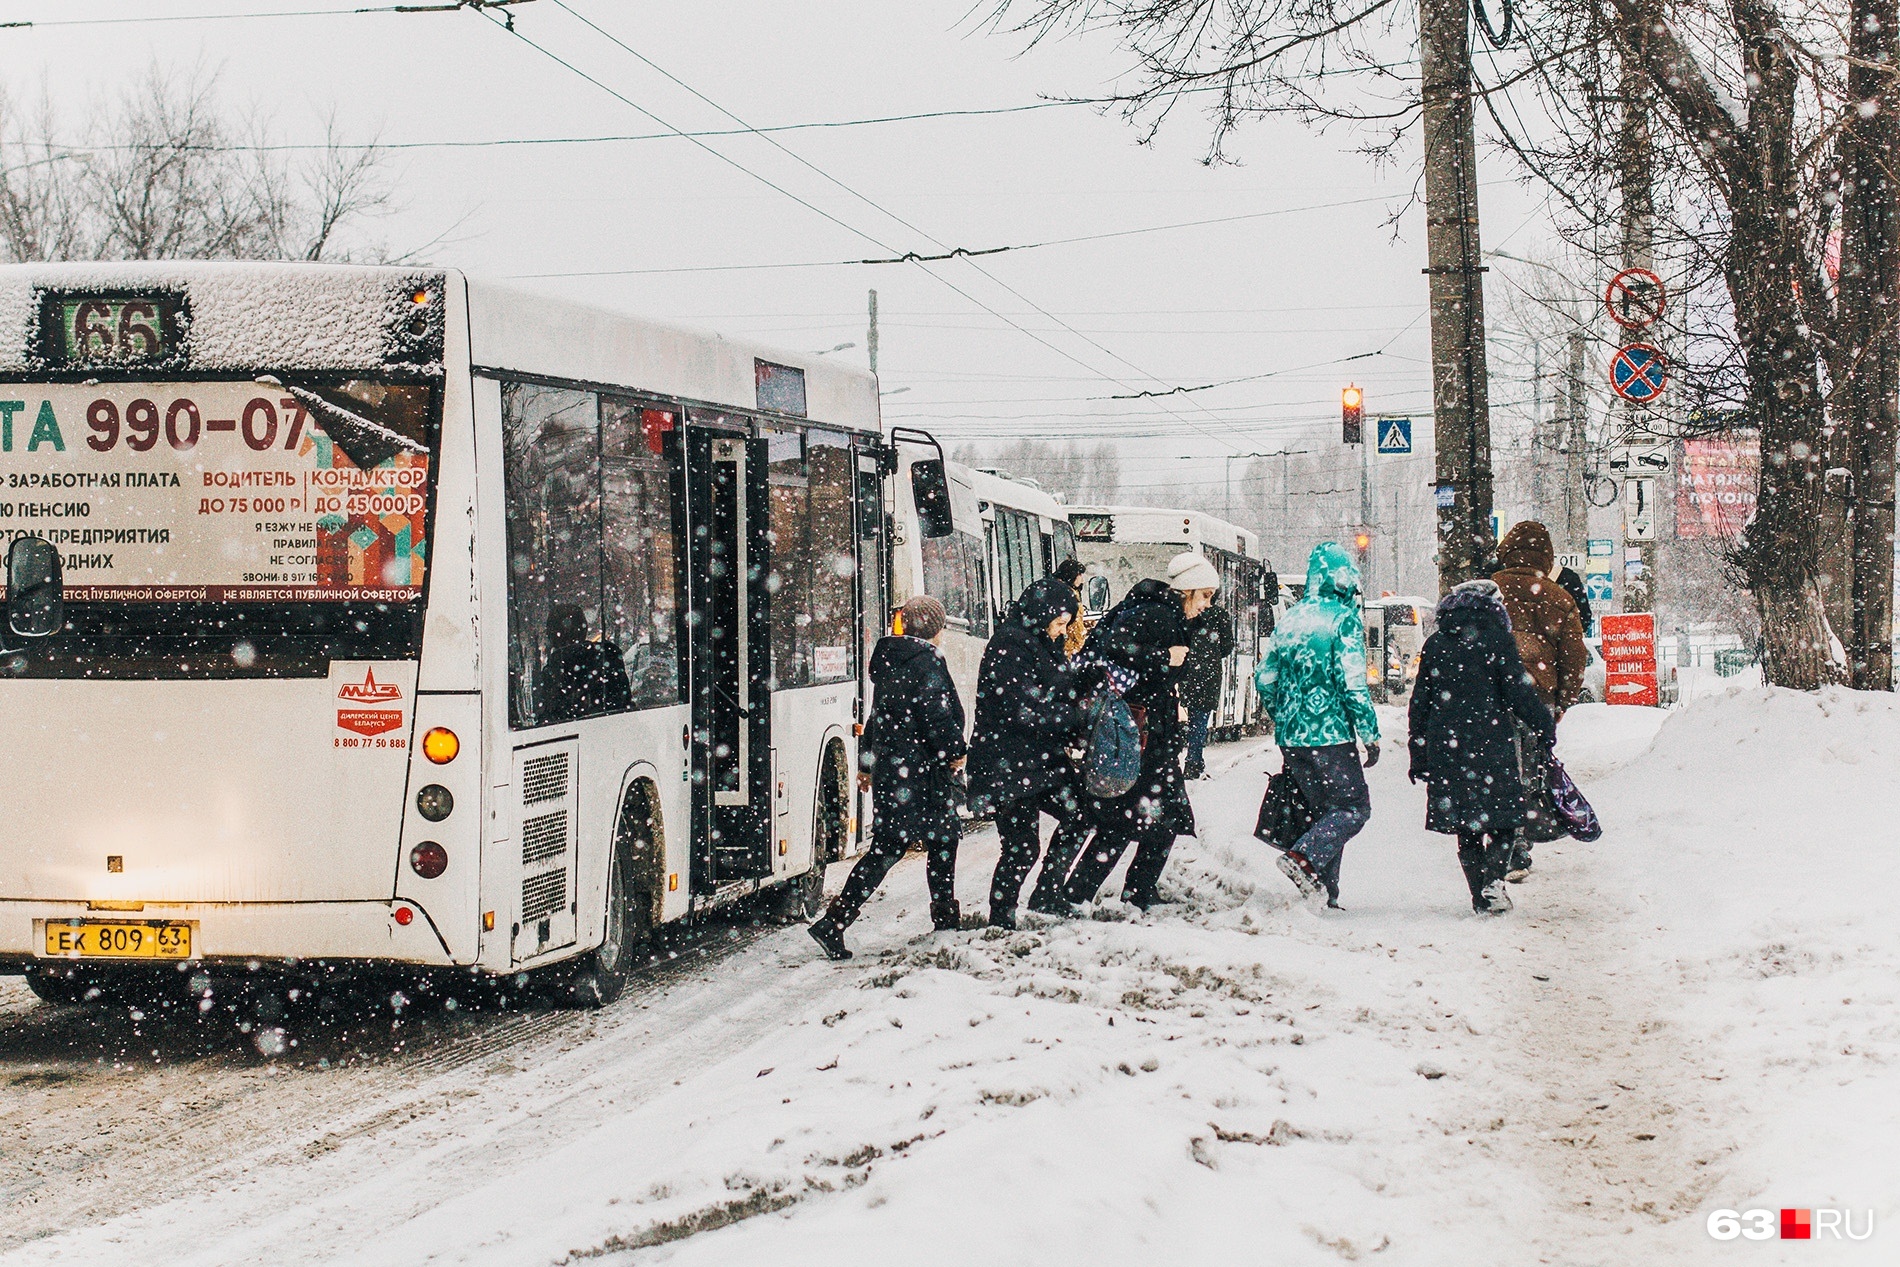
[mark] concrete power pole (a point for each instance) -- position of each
(870, 335)
(1461, 424)
(1576, 422)
(1635, 158)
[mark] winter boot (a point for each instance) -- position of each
(1195, 770)
(1296, 868)
(1052, 904)
(1002, 917)
(947, 917)
(1518, 868)
(1495, 901)
(829, 934)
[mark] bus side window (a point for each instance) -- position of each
(558, 667)
(833, 559)
(789, 581)
(639, 582)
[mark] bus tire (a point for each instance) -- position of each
(62, 983)
(599, 976)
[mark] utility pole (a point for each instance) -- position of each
(870, 336)
(1460, 398)
(1576, 445)
(1635, 159)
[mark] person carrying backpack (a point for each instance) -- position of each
(1142, 643)
(909, 754)
(1312, 683)
(1472, 692)
(1026, 719)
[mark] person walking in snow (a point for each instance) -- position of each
(1312, 683)
(1471, 694)
(1142, 642)
(908, 758)
(1548, 630)
(1210, 642)
(1071, 572)
(1026, 719)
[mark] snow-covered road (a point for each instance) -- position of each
(1654, 1033)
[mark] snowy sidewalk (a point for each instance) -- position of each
(1674, 1019)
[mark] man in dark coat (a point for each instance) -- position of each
(1143, 641)
(909, 754)
(1573, 586)
(1026, 718)
(1210, 642)
(1472, 692)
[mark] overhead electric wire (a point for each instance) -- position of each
(868, 202)
(451, 6)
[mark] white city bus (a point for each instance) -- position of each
(409, 620)
(1006, 535)
(1123, 545)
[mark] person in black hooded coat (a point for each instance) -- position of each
(1471, 683)
(1026, 718)
(1146, 636)
(909, 754)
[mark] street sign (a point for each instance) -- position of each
(1643, 529)
(1572, 560)
(1639, 372)
(1635, 298)
(1602, 547)
(1639, 510)
(1601, 491)
(1395, 435)
(1598, 587)
(1639, 459)
(1629, 658)
(1446, 497)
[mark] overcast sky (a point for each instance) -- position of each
(1263, 296)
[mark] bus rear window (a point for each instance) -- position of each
(244, 528)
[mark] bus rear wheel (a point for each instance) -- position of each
(63, 983)
(599, 976)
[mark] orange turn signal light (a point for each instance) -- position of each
(440, 745)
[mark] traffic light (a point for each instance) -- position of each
(1363, 541)
(1351, 406)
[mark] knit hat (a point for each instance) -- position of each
(922, 617)
(1190, 570)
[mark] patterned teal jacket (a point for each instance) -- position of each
(1313, 679)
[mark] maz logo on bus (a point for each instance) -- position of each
(369, 690)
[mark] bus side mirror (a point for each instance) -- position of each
(36, 598)
(1095, 597)
(930, 490)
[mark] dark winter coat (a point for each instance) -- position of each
(1135, 636)
(1210, 642)
(1470, 683)
(1544, 620)
(915, 731)
(1026, 711)
(1573, 586)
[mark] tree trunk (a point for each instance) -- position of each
(1868, 310)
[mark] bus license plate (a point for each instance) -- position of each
(87, 939)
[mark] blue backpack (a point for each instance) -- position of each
(1114, 746)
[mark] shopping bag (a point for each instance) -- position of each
(1571, 810)
(1284, 814)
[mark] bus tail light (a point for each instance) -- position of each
(440, 745)
(435, 802)
(403, 915)
(428, 860)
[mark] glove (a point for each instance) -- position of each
(1372, 753)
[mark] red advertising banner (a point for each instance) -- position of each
(1629, 658)
(1715, 489)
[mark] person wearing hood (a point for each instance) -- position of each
(1471, 694)
(1026, 718)
(908, 758)
(1549, 634)
(1142, 642)
(1312, 683)
(1072, 572)
(1210, 642)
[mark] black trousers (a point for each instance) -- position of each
(1019, 828)
(940, 872)
(1485, 856)
(1153, 841)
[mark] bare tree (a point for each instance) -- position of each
(1079, 473)
(159, 174)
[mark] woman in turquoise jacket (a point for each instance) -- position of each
(1312, 683)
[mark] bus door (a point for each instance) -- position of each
(730, 650)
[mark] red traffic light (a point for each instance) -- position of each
(1351, 409)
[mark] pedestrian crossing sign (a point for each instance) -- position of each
(1395, 435)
